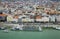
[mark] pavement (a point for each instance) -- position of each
(31, 24)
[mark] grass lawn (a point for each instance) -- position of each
(45, 34)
